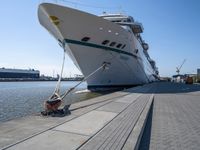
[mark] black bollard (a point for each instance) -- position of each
(66, 110)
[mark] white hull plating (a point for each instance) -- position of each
(127, 67)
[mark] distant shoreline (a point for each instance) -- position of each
(24, 80)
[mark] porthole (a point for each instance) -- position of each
(112, 44)
(123, 46)
(105, 42)
(119, 45)
(85, 39)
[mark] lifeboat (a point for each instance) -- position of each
(145, 46)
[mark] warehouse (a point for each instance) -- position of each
(19, 73)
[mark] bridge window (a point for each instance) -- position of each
(128, 20)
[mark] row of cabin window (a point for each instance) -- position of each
(113, 44)
(105, 42)
(127, 20)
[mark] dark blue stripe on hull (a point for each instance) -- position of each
(98, 46)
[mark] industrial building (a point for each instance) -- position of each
(198, 72)
(19, 73)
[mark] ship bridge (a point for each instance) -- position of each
(117, 17)
(124, 21)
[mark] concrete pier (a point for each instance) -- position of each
(154, 116)
(174, 122)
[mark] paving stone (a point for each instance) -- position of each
(114, 135)
(52, 140)
(85, 120)
(116, 107)
(88, 123)
(175, 120)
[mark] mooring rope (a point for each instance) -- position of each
(57, 89)
(56, 94)
(103, 66)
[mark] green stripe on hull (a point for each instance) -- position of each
(98, 46)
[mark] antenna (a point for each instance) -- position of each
(120, 9)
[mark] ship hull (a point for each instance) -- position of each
(126, 66)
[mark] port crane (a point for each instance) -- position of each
(179, 68)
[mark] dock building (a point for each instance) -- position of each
(19, 73)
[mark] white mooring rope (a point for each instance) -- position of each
(56, 94)
(57, 89)
(103, 66)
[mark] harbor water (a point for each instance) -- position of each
(19, 99)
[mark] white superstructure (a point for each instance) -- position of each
(91, 40)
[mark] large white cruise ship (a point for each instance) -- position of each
(92, 40)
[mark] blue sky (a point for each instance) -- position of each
(171, 28)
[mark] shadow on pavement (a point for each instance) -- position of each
(145, 140)
(171, 88)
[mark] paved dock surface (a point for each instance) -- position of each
(175, 119)
(154, 116)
